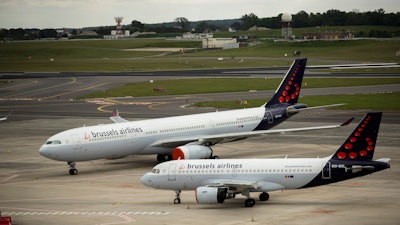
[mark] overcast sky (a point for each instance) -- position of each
(84, 13)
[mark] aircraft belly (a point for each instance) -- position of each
(101, 150)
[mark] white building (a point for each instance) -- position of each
(196, 36)
(219, 43)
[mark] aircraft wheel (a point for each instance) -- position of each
(250, 202)
(177, 201)
(73, 171)
(264, 196)
(215, 157)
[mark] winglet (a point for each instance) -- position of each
(115, 112)
(347, 122)
(116, 118)
(6, 117)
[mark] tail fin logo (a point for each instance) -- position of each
(289, 89)
(292, 88)
(288, 94)
(360, 145)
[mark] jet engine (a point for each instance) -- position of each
(211, 195)
(192, 152)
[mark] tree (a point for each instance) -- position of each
(334, 17)
(48, 33)
(202, 27)
(249, 21)
(236, 26)
(301, 19)
(183, 23)
(137, 26)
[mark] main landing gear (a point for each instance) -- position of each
(177, 199)
(164, 157)
(72, 170)
(250, 202)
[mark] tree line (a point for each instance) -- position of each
(331, 17)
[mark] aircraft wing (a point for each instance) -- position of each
(222, 138)
(239, 186)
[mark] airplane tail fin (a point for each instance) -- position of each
(289, 89)
(360, 144)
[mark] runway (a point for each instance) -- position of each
(36, 190)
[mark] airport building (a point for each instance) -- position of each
(331, 35)
(224, 43)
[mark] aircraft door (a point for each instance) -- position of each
(172, 172)
(326, 171)
(269, 116)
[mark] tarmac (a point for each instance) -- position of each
(36, 190)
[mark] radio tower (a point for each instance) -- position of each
(118, 29)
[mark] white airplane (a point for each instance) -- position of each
(217, 180)
(184, 137)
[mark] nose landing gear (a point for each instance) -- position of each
(72, 170)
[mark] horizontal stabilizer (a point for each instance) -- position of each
(358, 168)
(385, 160)
(295, 110)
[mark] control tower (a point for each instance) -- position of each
(286, 19)
(118, 28)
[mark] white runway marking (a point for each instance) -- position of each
(66, 213)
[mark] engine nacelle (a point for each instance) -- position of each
(192, 152)
(211, 195)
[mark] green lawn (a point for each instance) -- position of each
(379, 101)
(219, 85)
(111, 55)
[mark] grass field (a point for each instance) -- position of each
(111, 55)
(379, 101)
(220, 85)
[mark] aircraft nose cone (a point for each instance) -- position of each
(46, 152)
(146, 180)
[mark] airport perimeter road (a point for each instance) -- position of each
(36, 190)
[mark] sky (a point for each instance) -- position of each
(86, 13)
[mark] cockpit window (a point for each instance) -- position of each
(157, 171)
(55, 142)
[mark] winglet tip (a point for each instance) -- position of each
(347, 122)
(115, 112)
